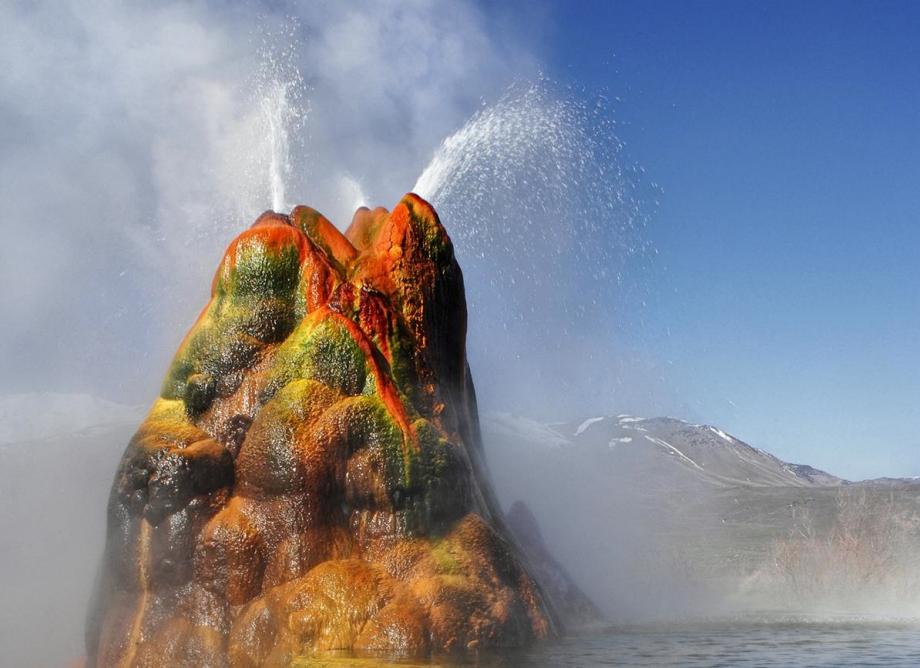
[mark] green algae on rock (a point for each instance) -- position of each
(311, 477)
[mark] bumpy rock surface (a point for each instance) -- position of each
(310, 476)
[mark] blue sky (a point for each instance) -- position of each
(785, 137)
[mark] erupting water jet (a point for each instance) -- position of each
(276, 111)
(548, 218)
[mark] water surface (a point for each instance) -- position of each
(730, 644)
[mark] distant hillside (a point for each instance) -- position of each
(635, 506)
(704, 451)
(35, 416)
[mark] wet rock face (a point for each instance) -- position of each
(310, 476)
(571, 605)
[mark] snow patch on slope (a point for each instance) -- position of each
(671, 448)
(721, 434)
(513, 426)
(587, 423)
(614, 442)
(626, 419)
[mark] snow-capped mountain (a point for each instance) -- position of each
(707, 452)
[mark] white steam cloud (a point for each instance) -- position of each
(133, 146)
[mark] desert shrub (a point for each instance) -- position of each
(867, 560)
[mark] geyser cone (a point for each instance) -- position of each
(310, 477)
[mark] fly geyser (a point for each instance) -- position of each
(311, 476)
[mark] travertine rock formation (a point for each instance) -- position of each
(569, 602)
(310, 477)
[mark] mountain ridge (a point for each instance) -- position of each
(716, 456)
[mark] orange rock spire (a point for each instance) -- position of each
(310, 477)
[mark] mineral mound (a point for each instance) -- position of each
(311, 476)
(570, 603)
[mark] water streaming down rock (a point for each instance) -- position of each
(310, 477)
(548, 219)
